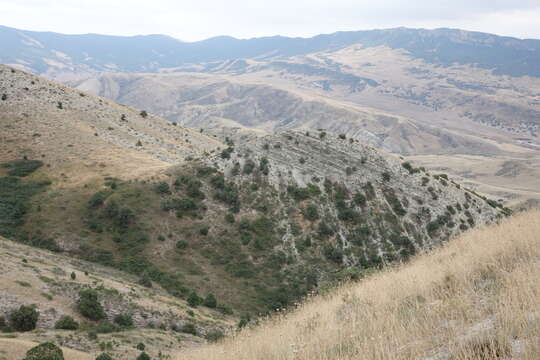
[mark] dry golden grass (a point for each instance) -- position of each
(475, 298)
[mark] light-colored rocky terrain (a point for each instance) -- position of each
(381, 96)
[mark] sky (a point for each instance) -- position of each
(190, 20)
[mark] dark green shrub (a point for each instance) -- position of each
(194, 300)
(45, 351)
(204, 230)
(125, 218)
(226, 154)
(143, 356)
(359, 199)
(325, 230)
(333, 254)
(264, 166)
(144, 114)
(66, 323)
(140, 346)
(124, 320)
(205, 171)
(89, 305)
(229, 218)
(24, 319)
(73, 275)
(163, 188)
(311, 212)
(106, 327)
(181, 244)
(98, 199)
(104, 357)
(386, 176)
(249, 166)
(210, 301)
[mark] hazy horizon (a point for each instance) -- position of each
(269, 36)
(194, 21)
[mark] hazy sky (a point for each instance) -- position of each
(195, 20)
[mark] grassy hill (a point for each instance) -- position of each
(233, 229)
(474, 298)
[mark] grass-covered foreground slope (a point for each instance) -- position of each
(474, 298)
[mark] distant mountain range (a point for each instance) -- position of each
(40, 52)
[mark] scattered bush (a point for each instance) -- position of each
(214, 335)
(229, 218)
(24, 319)
(204, 230)
(143, 356)
(264, 166)
(333, 254)
(189, 328)
(210, 301)
(311, 212)
(66, 323)
(89, 305)
(124, 320)
(144, 114)
(45, 351)
(106, 327)
(104, 357)
(249, 166)
(163, 188)
(226, 154)
(194, 300)
(140, 346)
(98, 199)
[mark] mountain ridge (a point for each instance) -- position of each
(503, 55)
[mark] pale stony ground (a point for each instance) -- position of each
(516, 179)
(296, 158)
(417, 109)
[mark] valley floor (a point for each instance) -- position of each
(475, 298)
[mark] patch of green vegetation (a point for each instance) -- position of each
(22, 168)
(15, 202)
(45, 351)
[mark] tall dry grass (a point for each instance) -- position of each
(478, 297)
